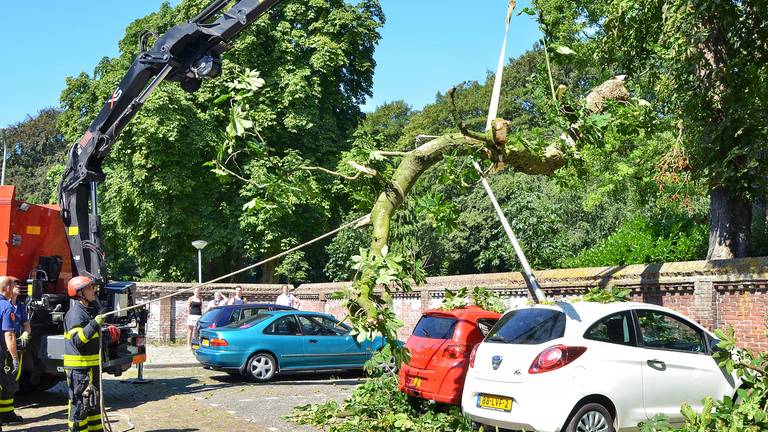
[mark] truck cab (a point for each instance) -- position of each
(34, 249)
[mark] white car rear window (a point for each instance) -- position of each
(528, 327)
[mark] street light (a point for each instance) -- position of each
(199, 245)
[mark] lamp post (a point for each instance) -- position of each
(199, 245)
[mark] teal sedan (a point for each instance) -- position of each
(282, 341)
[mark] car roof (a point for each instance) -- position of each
(468, 312)
(582, 314)
(296, 312)
(250, 305)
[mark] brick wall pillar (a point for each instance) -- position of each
(167, 320)
(705, 302)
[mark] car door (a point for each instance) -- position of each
(327, 344)
(677, 365)
(282, 336)
(613, 352)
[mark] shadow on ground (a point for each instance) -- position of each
(346, 377)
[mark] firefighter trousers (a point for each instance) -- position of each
(9, 383)
(84, 409)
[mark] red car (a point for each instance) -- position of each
(440, 346)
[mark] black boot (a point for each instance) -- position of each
(10, 417)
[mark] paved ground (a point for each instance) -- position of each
(193, 399)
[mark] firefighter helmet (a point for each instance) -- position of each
(77, 283)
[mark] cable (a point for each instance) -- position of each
(244, 269)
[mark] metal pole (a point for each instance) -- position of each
(530, 279)
(5, 154)
(199, 266)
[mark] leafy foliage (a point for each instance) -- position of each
(480, 297)
(378, 406)
(392, 273)
(599, 295)
(35, 146)
(288, 98)
(640, 240)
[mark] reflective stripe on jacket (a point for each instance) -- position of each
(81, 337)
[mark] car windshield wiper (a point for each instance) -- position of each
(496, 338)
(426, 333)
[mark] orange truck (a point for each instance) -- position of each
(34, 249)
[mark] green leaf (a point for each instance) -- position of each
(527, 11)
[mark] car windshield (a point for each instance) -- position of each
(435, 327)
(250, 321)
(528, 327)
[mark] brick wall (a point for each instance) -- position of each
(715, 293)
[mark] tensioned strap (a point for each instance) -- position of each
(493, 109)
(530, 279)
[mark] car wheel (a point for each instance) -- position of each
(389, 365)
(591, 417)
(261, 367)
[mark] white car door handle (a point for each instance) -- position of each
(657, 364)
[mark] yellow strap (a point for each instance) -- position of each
(6, 409)
(18, 374)
(71, 360)
(6, 401)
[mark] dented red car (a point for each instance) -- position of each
(440, 346)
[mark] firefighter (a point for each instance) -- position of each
(81, 356)
(9, 357)
(7, 414)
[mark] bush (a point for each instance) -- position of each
(640, 240)
(378, 406)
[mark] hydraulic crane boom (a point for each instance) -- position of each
(187, 53)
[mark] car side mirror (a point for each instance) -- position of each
(713, 345)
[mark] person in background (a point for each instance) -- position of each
(194, 311)
(9, 356)
(237, 299)
(288, 299)
(219, 299)
(22, 329)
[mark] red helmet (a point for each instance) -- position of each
(77, 283)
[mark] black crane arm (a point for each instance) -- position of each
(187, 53)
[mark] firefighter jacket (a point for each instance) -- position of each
(81, 337)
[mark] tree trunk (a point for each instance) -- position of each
(268, 272)
(729, 225)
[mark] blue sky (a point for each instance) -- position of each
(426, 47)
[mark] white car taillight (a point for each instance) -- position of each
(555, 357)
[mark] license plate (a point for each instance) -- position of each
(195, 346)
(414, 382)
(206, 342)
(498, 403)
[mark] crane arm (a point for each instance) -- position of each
(187, 53)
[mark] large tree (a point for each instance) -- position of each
(34, 146)
(166, 183)
(705, 64)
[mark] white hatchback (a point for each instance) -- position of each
(591, 367)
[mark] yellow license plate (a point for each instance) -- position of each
(414, 382)
(497, 403)
(195, 346)
(206, 342)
